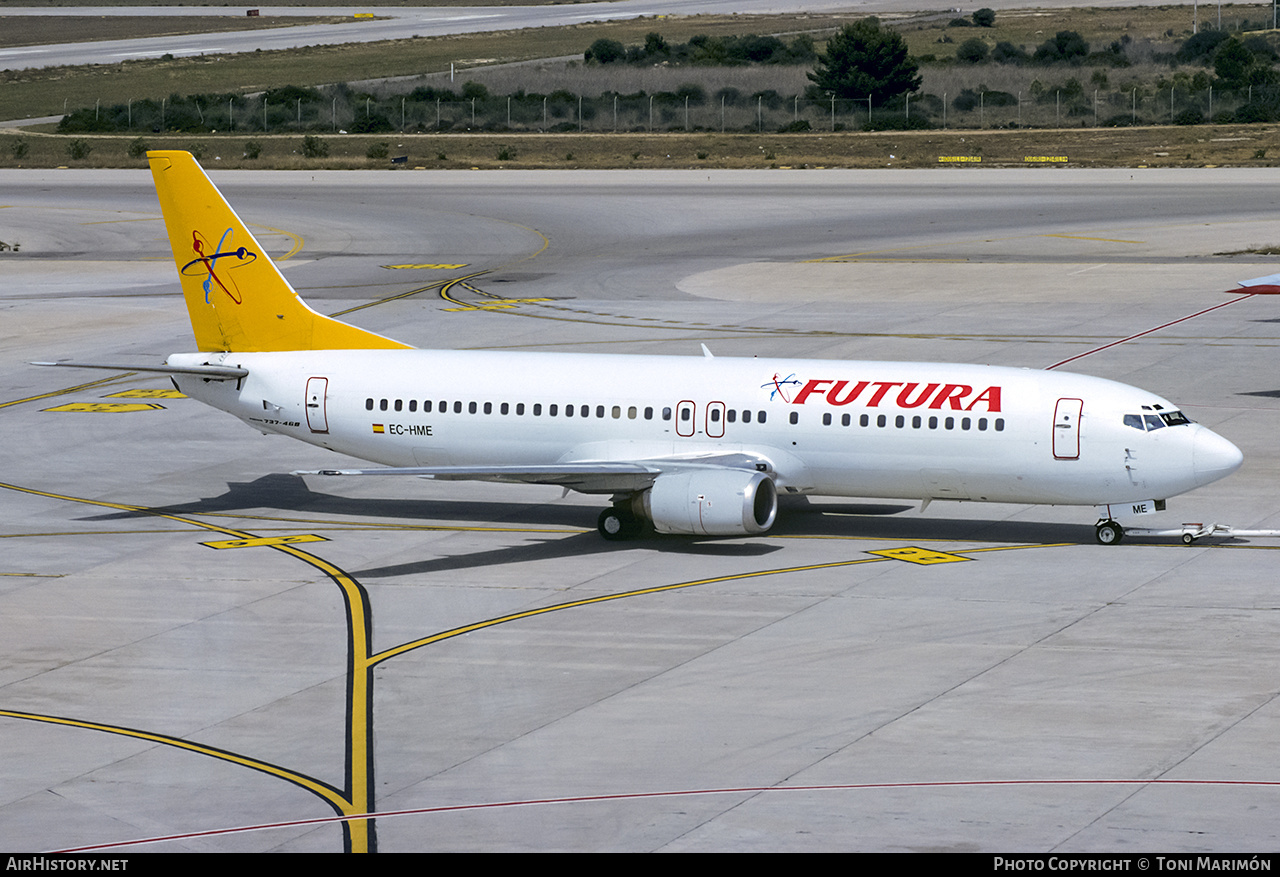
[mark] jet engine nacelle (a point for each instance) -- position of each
(711, 503)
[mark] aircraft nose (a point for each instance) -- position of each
(1214, 457)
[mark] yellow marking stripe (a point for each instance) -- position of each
(358, 646)
(267, 540)
(604, 598)
(298, 242)
(105, 407)
(922, 556)
(960, 158)
(323, 789)
(141, 393)
(439, 266)
(78, 387)
(1044, 158)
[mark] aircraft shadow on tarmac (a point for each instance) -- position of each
(290, 494)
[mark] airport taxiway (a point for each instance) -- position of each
(183, 626)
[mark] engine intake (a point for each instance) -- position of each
(711, 503)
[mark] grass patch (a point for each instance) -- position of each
(33, 30)
(1226, 146)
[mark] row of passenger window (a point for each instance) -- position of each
(918, 422)
(686, 414)
(537, 409)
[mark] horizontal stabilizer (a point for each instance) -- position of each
(208, 372)
(1269, 285)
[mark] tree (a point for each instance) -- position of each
(985, 17)
(863, 61)
(654, 44)
(972, 51)
(1067, 45)
(1233, 63)
(604, 51)
(1007, 53)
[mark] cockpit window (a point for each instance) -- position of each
(1134, 420)
(1176, 418)
(1153, 421)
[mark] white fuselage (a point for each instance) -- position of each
(872, 429)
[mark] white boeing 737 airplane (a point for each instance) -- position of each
(691, 445)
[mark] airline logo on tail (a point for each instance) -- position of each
(205, 263)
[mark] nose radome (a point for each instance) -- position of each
(1214, 457)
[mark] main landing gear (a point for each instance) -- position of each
(1109, 533)
(617, 523)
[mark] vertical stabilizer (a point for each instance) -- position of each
(237, 298)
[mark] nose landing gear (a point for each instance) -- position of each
(1109, 533)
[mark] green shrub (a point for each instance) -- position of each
(314, 147)
(972, 51)
(252, 149)
(604, 51)
(138, 148)
(79, 149)
(380, 149)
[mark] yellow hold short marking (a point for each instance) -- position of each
(266, 540)
(146, 394)
(440, 267)
(922, 556)
(106, 407)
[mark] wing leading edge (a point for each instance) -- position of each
(599, 477)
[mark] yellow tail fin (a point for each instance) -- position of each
(237, 298)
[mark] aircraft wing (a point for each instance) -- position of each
(584, 477)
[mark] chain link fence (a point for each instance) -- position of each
(673, 112)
